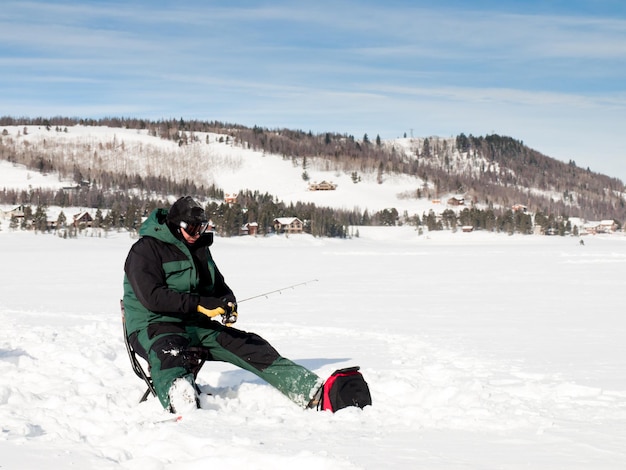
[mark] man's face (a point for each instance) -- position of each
(188, 238)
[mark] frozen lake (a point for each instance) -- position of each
(481, 351)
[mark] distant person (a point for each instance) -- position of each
(172, 292)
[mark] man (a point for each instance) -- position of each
(173, 291)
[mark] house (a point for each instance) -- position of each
(590, 228)
(230, 198)
(603, 226)
(323, 186)
(251, 228)
(288, 225)
(519, 208)
(467, 228)
(84, 218)
(607, 226)
(17, 212)
(456, 201)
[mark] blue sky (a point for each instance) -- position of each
(549, 73)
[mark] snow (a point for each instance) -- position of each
(18, 176)
(230, 167)
(481, 351)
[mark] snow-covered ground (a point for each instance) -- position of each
(481, 351)
(15, 176)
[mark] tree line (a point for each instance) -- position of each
(123, 211)
(119, 209)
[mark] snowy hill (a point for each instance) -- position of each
(224, 164)
(473, 167)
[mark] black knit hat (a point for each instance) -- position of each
(185, 210)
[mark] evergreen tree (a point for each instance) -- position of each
(40, 219)
(379, 174)
(448, 219)
(13, 223)
(61, 221)
(27, 219)
(431, 221)
(97, 221)
(132, 218)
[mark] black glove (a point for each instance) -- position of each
(231, 302)
(230, 316)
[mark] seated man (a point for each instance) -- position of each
(172, 292)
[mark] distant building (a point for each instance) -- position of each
(456, 201)
(17, 212)
(251, 228)
(607, 226)
(288, 225)
(83, 218)
(323, 186)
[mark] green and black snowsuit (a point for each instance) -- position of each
(165, 280)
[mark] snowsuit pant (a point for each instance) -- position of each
(166, 347)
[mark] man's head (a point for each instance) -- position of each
(187, 217)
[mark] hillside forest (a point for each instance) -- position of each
(493, 173)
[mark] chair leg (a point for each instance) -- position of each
(200, 358)
(144, 397)
(132, 355)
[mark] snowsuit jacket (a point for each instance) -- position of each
(162, 283)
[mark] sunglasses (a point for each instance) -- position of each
(194, 229)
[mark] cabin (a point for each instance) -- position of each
(83, 219)
(251, 228)
(288, 225)
(602, 226)
(17, 212)
(607, 226)
(323, 186)
(456, 201)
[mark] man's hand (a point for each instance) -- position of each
(212, 306)
(230, 315)
(226, 307)
(229, 318)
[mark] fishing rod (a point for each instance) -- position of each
(265, 294)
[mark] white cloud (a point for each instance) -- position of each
(348, 67)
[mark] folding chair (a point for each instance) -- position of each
(197, 356)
